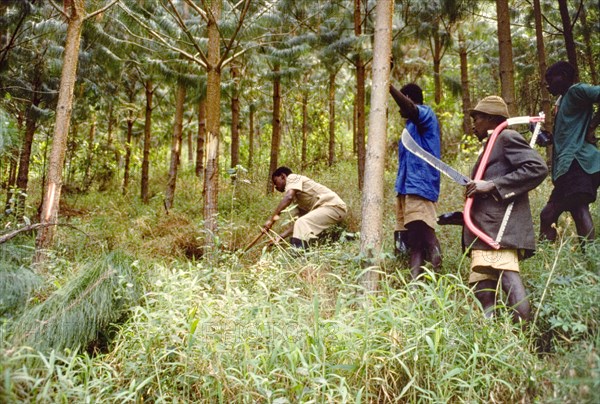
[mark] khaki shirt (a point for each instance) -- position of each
(310, 194)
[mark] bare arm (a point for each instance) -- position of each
(286, 201)
(407, 106)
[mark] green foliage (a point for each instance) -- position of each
(74, 315)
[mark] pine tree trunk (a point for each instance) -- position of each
(373, 191)
(507, 74)
(201, 136)
(464, 81)
(176, 142)
(87, 179)
(331, 159)
(359, 100)
(147, 137)
(25, 159)
(304, 149)
(213, 122)
(437, 62)
(276, 125)
(235, 119)
(587, 40)
(251, 136)
(541, 56)
(570, 46)
(50, 204)
(130, 121)
(190, 147)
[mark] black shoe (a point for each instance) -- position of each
(297, 243)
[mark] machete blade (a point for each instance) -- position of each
(433, 161)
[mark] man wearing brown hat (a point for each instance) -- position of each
(513, 169)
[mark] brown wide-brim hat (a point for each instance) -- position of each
(492, 105)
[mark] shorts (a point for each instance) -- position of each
(575, 186)
(410, 208)
(488, 264)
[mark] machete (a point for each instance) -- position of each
(433, 161)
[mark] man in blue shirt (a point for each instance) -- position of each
(575, 157)
(417, 183)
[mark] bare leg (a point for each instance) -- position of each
(485, 292)
(418, 234)
(513, 286)
(583, 222)
(549, 216)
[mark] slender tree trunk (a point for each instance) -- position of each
(587, 40)
(87, 180)
(360, 97)
(276, 125)
(130, 121)
(149, 89)
(190, 147)
(304, 149)
(50, 204)
(507, 74)
(109, 133)
(201, 136)
(464, 80)
(373, 191)
(12, 177)
(213, 122)
(176, 142)
(568, 36)
(251, 136)
(541, 56)
(25, 159)
(437, 62)
(331, 159)
(235, 119)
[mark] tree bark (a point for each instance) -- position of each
(276, 126)
(437, 62)
(304, 148)
(464, 80)
(50, 204)
(251, 136)
(213, 122)
(587, 40)
(331, 160)
(359, 100)
(149, 89)
(130, 121)
(200, 141)
(541, 56)
(373, 192)
(25, 157)
(235, 119)
(507, 74)
(568, 36)
(176, 143)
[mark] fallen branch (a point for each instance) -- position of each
(12, 234)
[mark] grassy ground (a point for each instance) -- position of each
(137, 311)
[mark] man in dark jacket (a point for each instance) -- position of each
(417, 183)
(513, 169)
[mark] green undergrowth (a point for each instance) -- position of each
(132, 308)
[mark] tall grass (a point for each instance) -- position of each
(271, 326)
